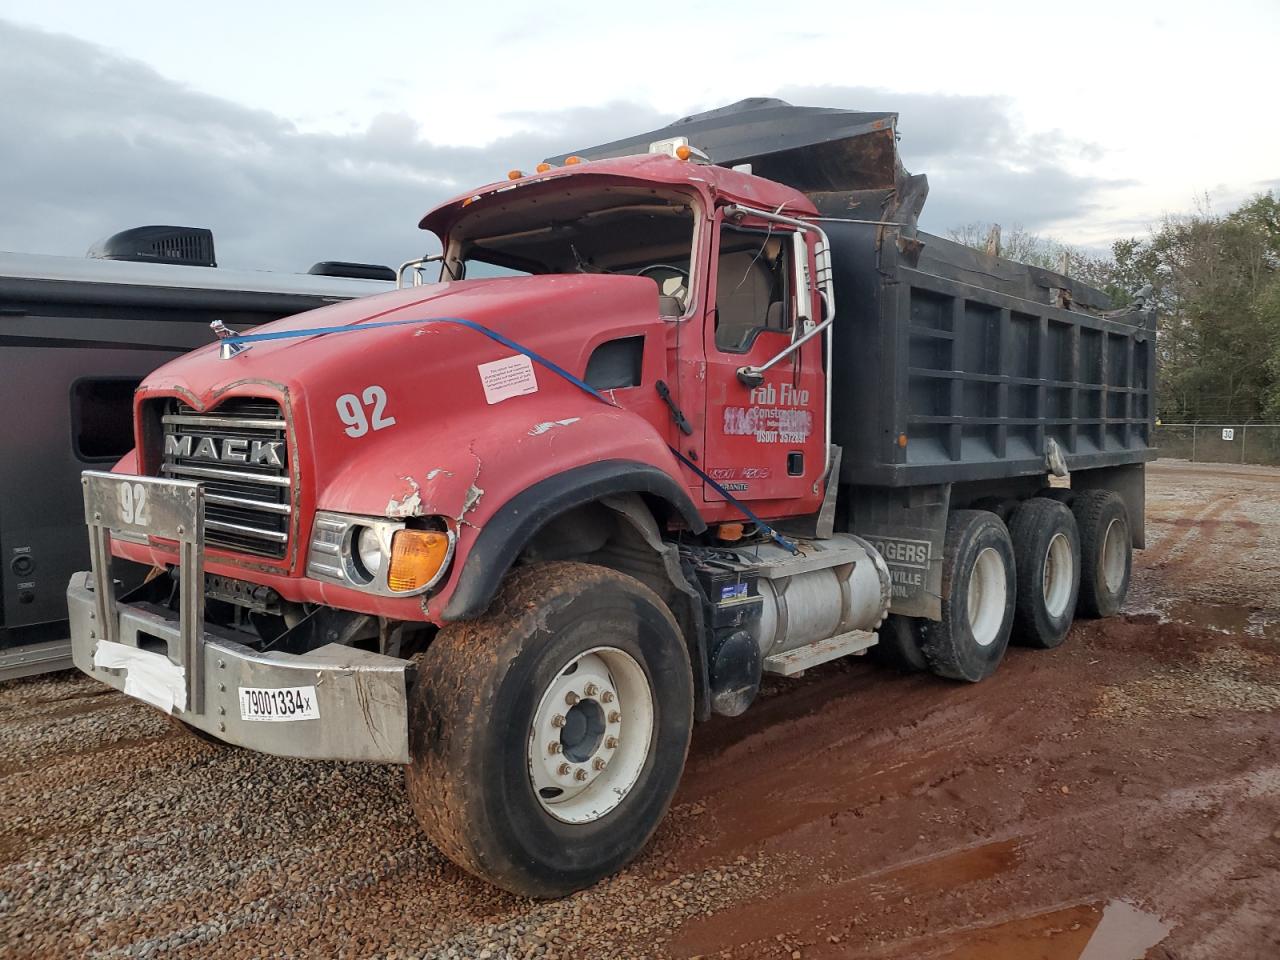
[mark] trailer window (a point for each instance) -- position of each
(753, 287)
(102, 418)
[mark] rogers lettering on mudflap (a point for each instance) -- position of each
(662, 427)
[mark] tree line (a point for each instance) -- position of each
(1214, 279)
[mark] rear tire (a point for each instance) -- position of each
(978, 589)
(1046, 549)
(572, 664)
(1106, 552)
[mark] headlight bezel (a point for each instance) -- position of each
(333, 553)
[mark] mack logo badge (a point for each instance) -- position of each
(268, 453)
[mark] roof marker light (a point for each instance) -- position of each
(679, 148)
(543, 167)
(570, 161)
(514, 174)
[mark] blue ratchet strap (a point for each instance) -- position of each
(536, 358)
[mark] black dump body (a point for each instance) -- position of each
(968, 358)
(949, 365)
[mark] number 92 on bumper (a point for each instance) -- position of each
(279, 704)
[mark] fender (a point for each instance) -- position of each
(510, 529)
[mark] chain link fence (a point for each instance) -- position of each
(1239, 442)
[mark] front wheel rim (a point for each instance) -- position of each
(1058, 574)
(590, 735)
(988, 593)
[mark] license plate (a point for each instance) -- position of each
(280, 704)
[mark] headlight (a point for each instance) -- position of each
(370, 552)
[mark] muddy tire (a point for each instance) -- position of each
(1062, 494)
(978, 589)
(1046, 550)
(1106, 553)
(572, 664)
(899, 645)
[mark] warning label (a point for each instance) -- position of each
(503, 379)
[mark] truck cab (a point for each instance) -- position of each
(518, 527)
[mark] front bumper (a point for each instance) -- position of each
(357, 707)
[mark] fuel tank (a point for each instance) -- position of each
(833, 587)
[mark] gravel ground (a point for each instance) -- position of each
(1129, 781)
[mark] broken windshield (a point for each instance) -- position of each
(620, 230)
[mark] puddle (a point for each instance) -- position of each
(1221, 618)
(1116, 930)
(1124, 933)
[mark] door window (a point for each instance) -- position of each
(753, 287)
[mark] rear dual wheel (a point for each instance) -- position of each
(547, 737)
(1106, 552)
(1046, 548)
(978, 589)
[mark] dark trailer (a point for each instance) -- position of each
(959, 378)
(76, 337)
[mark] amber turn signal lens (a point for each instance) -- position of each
(570, 161)
(417, 557)
(683, 152)
(543, 167)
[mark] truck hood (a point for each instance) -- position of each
(533, 308)
(440, 444)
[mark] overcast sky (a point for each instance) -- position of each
(318, 130)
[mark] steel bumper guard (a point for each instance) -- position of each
(335, 703)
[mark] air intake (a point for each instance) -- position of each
(183, 246)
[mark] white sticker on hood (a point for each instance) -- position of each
(503, 379)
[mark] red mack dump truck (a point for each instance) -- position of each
(679, 411)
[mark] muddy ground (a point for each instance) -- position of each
(1116, 798)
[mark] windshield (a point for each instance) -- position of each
(618, 230)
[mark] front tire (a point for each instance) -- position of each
(978, 588)
(576, 680)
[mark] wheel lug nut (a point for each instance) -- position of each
(607, 696)
(614, 716)
(597, 763)
(611, 743)
(571, 698)
(590, 690)
(563, 769)
(557, 721)
(580, 774)
(553, 746)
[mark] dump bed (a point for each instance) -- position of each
(951, 365)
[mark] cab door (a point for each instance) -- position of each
(763, 442)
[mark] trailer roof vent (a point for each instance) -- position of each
(357, 271)
(183, 246)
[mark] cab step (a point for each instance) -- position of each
(797, 661)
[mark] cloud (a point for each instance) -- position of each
(981, 165)
(94, 142)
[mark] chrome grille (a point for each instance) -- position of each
(247, 505)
